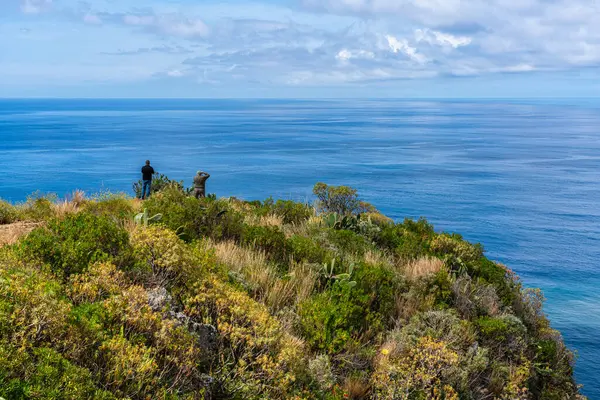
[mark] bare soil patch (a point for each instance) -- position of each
(10, 233)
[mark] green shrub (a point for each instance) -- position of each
(160, 182)
(257, 359)
(411, 247)
(306, 249)
(8, 213)
(88, 321)
(341, 200)
(345, 314)
(68, 246)
(167, 259)
(458, 336)
(102, 280)
(196, 218)
(270, 239)
(86, 311)
(37, 208)
(358, 224)
(420, 227)
(141, 354)
(347, 243)
(441, 325)
(458, 253)
(475, 297)
(439, 287)
(330, 320)
(505, 336)
(118, 207)
(129, 368)
(382, 287)
(554, 365)
(497, 275)
(44, 374)
(176, 208)
(290, 211)
(32, 311)
(389, 237)
(409, 240)
(220, 222)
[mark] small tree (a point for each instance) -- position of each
(342, 200)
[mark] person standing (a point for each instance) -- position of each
(147, 172)
(200, 184)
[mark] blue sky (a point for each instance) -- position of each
(299, 48)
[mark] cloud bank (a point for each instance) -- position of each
(333, 42)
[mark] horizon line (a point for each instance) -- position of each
(306, 98)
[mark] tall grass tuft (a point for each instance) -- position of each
(263, 279)
(422, 268)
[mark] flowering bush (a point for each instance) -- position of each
(420, 371)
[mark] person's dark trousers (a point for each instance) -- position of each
(199, 193)
(146, 187)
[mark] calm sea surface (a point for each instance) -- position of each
(521, 177)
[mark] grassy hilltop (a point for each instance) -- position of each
(224, 298)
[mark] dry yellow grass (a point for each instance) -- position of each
(422, 267)
(240, 206)
(78, 197)
(356, 388)
(62, 208)
(10, 234)
(264, 280)
(304, 228)
(296, 229)
(129, 225)
(374, 257)
(267, 220)
(238, 258)
(305, 279)
(291, 290)
(315, 220)
(137, 205)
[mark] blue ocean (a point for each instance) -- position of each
(521, 177)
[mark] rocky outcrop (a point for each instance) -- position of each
(160, 300)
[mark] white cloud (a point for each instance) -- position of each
(401, 46)
(345, 55)
(184, 28)
(441, 39)
(518, 68)
(92, 19)
(169, 24)
(35, 6)
(556, 34)
(139, 20)
(365, 40)
(175, 73)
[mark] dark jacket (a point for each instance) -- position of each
(147, 172)
(200, 181)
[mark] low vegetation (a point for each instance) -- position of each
(230, 299)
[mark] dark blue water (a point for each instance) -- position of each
(520, 177)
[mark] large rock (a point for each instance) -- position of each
(159, 298)
(207, 334)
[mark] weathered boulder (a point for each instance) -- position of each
(159, 298)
